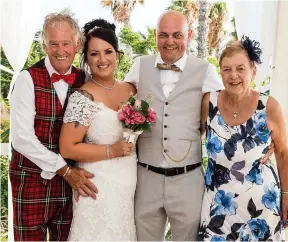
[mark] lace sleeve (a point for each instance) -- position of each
(80, 108)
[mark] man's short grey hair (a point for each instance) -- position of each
(53, 19)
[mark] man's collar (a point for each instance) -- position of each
(180, 63)
(51, 69)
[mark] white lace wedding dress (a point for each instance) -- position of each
(111, 215)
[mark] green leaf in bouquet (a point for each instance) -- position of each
(146, 127)
(131, 100)
(144, 106)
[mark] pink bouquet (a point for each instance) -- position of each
(136, 117)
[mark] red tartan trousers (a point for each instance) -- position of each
(40, 205)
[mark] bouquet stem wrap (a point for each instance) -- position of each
(131, 136)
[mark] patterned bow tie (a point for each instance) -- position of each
(165, 66)
(70, 78)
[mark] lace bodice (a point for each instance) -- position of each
(104, 126)
(111, 216)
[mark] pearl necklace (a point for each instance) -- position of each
(101, 85)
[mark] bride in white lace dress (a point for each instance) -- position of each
(93, 135)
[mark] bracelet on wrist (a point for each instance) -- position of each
(70, 169)
(67, 169)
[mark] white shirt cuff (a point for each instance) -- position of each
(60, 163)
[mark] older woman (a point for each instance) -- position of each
(242, 200)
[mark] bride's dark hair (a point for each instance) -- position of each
(98, 28)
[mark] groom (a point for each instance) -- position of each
(42, 200)
(170, 181)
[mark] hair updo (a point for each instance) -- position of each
(98, 28)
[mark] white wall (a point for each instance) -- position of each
(279, 88)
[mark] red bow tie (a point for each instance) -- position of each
(70, 78)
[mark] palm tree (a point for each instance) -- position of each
(203, 17)
(234, 33)
(218, 16)
(188, 7)
(121, 10)
(139, 43)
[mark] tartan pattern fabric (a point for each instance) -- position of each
(40, 204)
(49, 113)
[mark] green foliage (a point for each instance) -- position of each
(253, 85)
(204, 162)
(5, 76)
(177, 5)
(4, 121)
(168, 236)
(124, 64)
(4, 185)
(5, 127)
(77, 60)
(234, 33)
(216, 9)
(215, 62)
(36, 54)
(138, 42)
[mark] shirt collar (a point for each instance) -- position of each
(180, 63)
(51, 69)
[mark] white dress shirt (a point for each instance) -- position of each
(22, 111)
(169, 78)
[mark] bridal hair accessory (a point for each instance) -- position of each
(95, 27)
(252, 48)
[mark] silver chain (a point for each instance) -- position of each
(101, 85)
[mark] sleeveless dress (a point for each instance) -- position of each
(242, 197)
(111, 215)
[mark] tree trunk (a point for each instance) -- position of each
(202, 39)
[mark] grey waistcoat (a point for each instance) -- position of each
(176, 135)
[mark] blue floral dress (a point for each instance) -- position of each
(242, 196)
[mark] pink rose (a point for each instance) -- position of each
(127, 109)
(137, 118)
(128, 121)
(151, 118)
(124, 114)
(121, 115)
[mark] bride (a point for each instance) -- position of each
(92, 135)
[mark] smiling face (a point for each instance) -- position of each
(101, 58)
(237, 73)
(172, 36)
(60, 46)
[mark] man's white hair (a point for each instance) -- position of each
(54, 19)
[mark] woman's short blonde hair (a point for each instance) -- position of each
(232, 48)
(55, 19)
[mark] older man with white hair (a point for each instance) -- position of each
(41, 179)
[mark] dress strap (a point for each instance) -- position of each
(214, 98)
(262, 102)
(213, 105)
